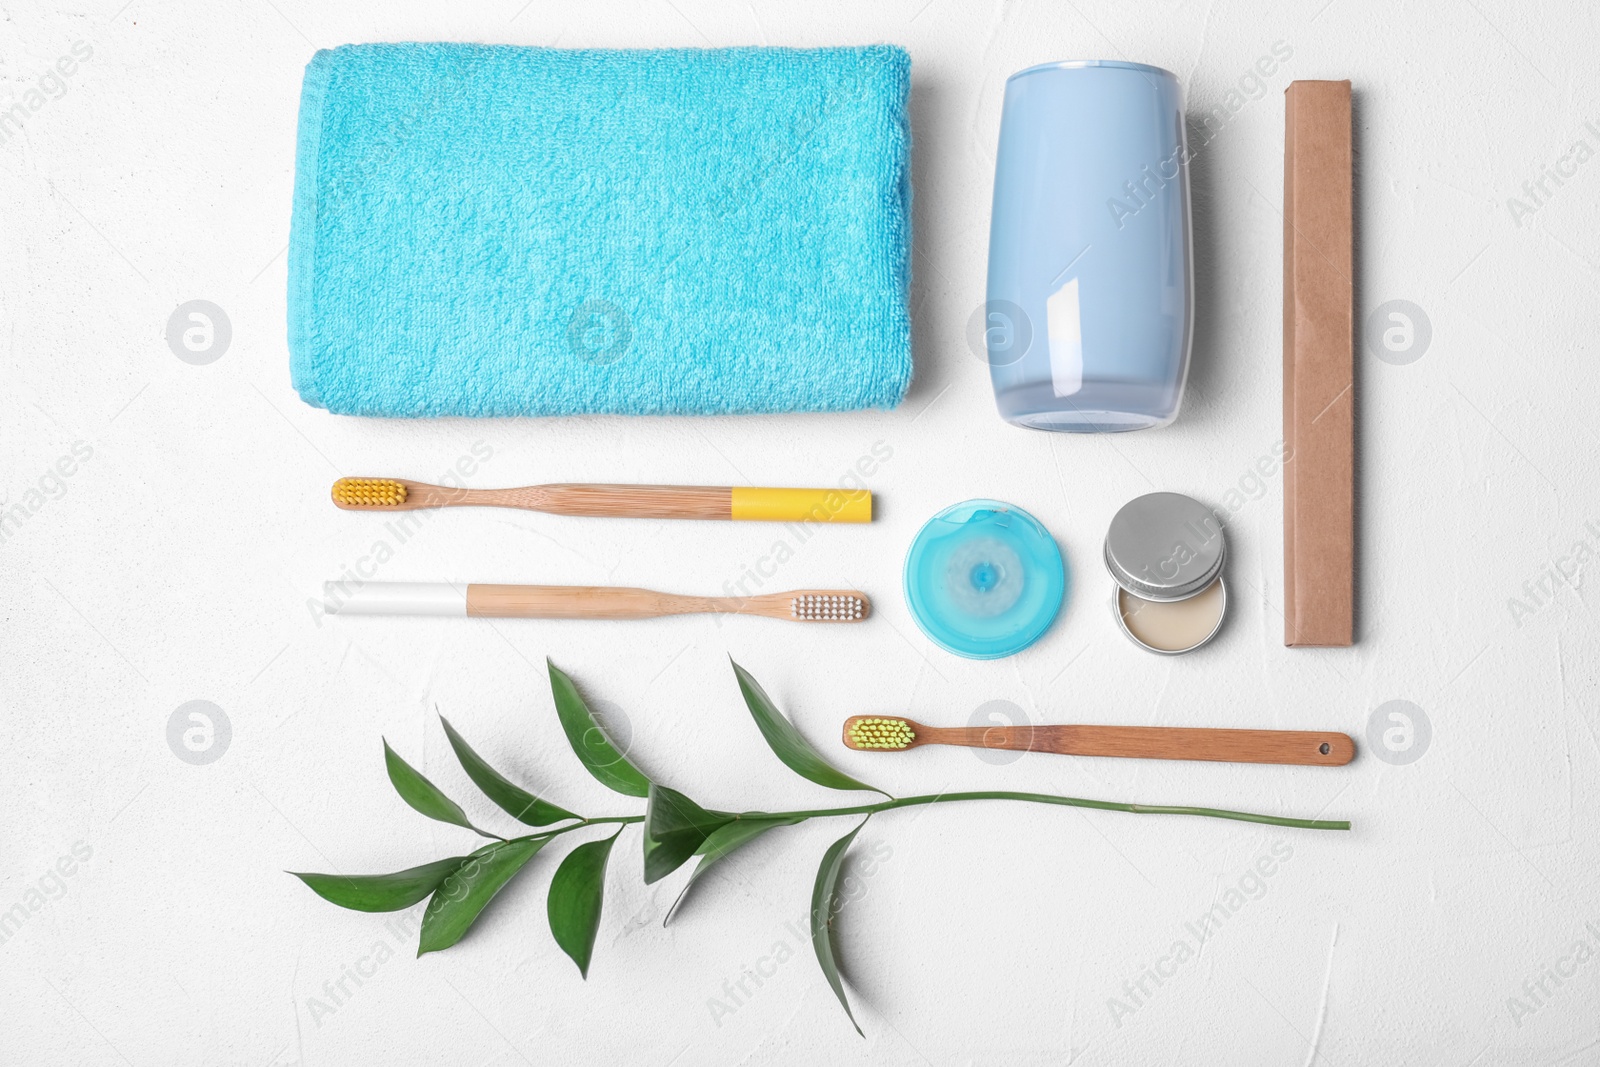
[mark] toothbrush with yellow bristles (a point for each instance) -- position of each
(892, 733)
(615, 501)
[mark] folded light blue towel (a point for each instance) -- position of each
(496, 230)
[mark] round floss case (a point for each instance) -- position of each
(984, 579)
(1166, 551)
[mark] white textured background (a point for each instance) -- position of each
(175, 563)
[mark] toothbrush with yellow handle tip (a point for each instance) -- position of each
(615, 501)
(583, 602)
(888, 733)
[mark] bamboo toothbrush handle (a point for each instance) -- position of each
(638, 501)
(606, 501)
(707, 502)
(1305, 747)
(579, 602)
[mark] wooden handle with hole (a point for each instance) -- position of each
(1312, 748)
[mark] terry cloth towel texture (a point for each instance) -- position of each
(496, 230)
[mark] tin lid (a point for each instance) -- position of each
(984, 579)
(1165, 546)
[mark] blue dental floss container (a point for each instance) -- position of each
(984, 579)
(1090, 304)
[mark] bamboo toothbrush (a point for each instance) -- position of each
(615, 501)
(883, 733)
(583, 602)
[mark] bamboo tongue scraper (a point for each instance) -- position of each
(883, 733)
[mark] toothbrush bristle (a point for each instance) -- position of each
(881, 733)
(369, 492)
(827, 607)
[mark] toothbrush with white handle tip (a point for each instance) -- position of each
(583, 602)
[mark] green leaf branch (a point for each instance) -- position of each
(675, 829)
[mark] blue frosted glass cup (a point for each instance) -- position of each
(1090, 304)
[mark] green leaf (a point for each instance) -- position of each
(787, 742)
(588, 739)
(822, 911)
(743, 830)
(380, 892)
(513, 799)
(576, 894)
(422, 794)
(467, 890)
(674, 827)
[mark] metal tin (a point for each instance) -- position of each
(1165, 546)
(1122, 622)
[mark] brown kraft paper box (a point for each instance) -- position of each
(1318, 366)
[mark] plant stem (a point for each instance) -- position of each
(1031, 798)
(622, 820)
(1074, 802)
